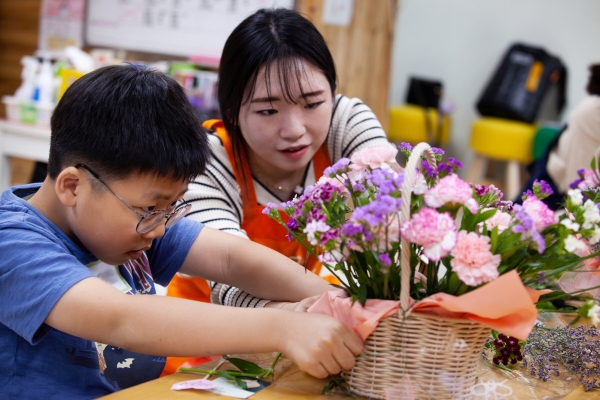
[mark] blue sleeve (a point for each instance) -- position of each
(168, 253)
(35, 271)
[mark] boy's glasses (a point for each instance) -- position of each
(152, 219)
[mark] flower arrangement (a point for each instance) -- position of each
(461, 235)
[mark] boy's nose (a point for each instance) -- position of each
(156, 232)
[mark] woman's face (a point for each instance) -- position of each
(283, 136)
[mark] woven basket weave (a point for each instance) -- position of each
(418, 355)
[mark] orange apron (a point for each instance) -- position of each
(259, 227)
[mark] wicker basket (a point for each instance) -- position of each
(421, 356)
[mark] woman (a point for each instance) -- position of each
(282, 126)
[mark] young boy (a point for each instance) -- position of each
(125, 143)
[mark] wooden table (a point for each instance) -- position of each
(292, 384)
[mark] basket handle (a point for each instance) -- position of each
(410, 175)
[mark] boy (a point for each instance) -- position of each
(125, 143)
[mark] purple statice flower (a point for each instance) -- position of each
(454, 163)
(581, 171)
(428, 171)
(386, 181)
(542, 189)
(404, 146)
(357, 187)
(338, 168)
(385, 259)
(352, 229)
(438, 151)
(377, 211)
(444, 170)
(527, 194)
(270, 208)
(575, 183)
(293, 224)
(526, 227)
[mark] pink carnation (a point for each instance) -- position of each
(473, 262)
(382, 157)
(540, 213)
(453, 191)
(501, 219)
(433, 230)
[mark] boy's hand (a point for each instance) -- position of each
(318, 344)
(301, 306)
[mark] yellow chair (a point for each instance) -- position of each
(407, 124)
(504, 140)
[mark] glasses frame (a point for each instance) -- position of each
(181, 210)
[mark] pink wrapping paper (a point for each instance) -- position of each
(504, 304)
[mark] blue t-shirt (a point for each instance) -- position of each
(38, 264)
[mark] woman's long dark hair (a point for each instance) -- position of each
(270, 36)
(593, 86)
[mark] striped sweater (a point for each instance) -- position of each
(216, 197)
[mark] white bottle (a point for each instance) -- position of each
(45, 84)
(30, 65)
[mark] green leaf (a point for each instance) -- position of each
(241, 383)
(362, 294)
(593, 164)
(245, 366)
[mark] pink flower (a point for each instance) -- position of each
(501, 219)
(435, 231)
(453, 191)
(383, 157)
(540, 213)
(589, 180)
(473, 262)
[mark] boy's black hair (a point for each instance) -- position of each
(126, 119)
(269, 37)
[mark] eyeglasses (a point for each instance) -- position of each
(152, 219)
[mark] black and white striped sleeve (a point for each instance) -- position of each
(215, 195)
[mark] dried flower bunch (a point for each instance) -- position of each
(461, 235)
(576, 349)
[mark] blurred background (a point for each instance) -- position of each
(491, 82)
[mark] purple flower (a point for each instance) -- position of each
(357, 187)
(405, 146)
(581, 171)
(438, 151)
(541, 189)
(351, 229)
(481, 190)
(455, 163)
(338, 168)
(428, 170)
(270, 208)
(293, 224)
(575, 183)
(526, 226)
(444, 169)
(385, 259)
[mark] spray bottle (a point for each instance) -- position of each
(25, 92)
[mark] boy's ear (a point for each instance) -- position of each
(67, 185)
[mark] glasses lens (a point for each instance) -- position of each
(150, 221)
(179, 213)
